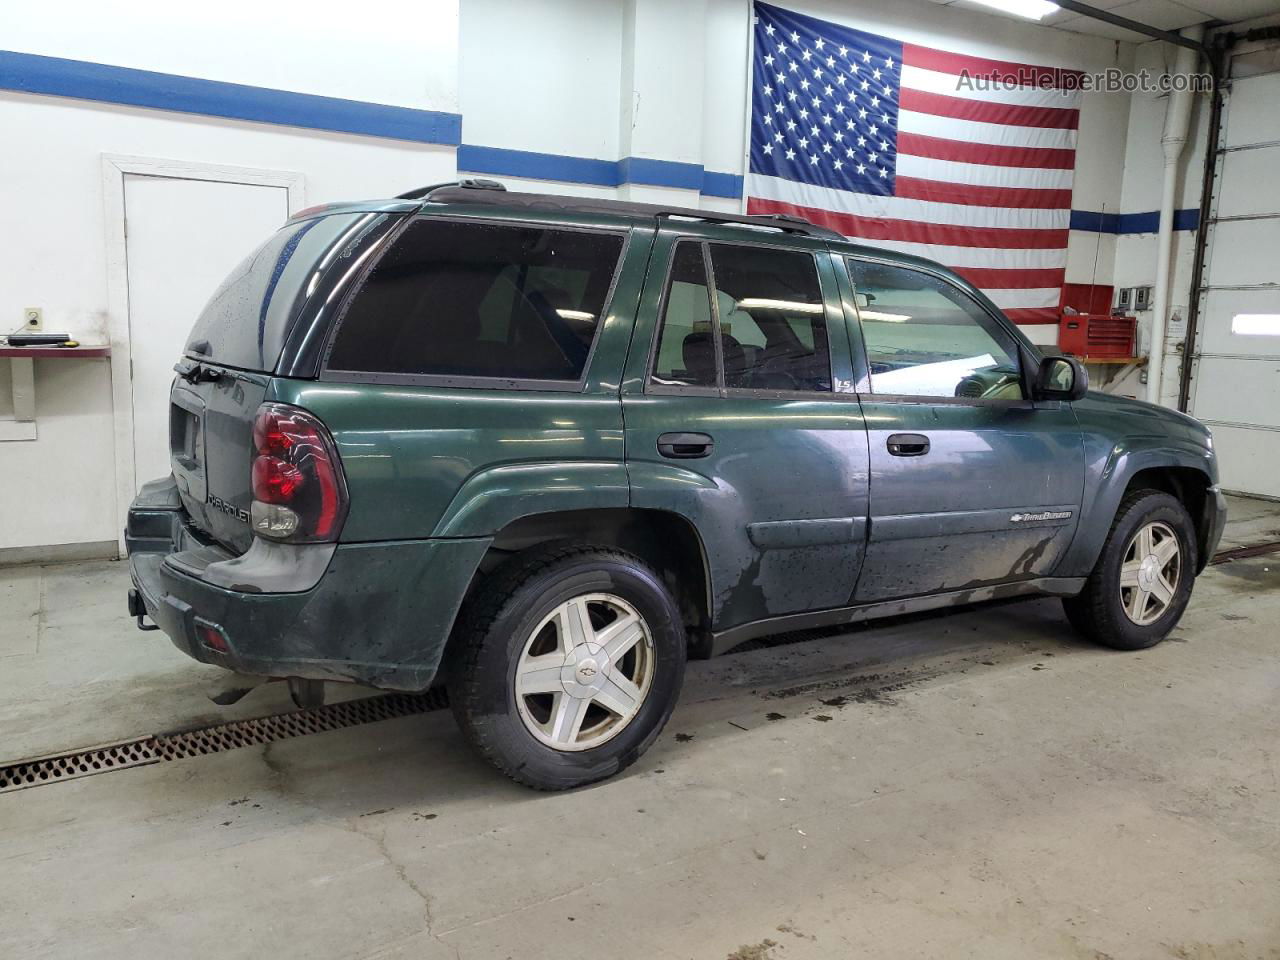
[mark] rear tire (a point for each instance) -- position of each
(1142, 581)
(567, 664)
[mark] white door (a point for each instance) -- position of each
(1237, 372)
(182, 238)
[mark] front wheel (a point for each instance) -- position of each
(1143, 578)
(568, 664)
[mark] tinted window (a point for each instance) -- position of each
(247, 318)
(926, 338)
(773, 328)
(479, 300)
(686, 350)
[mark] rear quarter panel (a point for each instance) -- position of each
(424, 462)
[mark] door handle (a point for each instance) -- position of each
(908, 444)
(685, 446)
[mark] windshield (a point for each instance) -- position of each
(248, 317)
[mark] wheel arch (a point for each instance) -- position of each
(1181, 471)
(1188, 485)
(667, 541)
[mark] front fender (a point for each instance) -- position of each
(1108, 469)
(493, 498)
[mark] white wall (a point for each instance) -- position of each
(398, 52)
(60, 488)
(542, 75)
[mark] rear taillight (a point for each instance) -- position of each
(299, 493)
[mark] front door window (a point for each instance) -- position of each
(926, 338)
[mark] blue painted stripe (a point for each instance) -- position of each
(660, 173)
(1130, 223)
(29, 73)
(537, 166)
(721, 185)
(54, 76)
(500, 161)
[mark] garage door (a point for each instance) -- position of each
(1237, 372)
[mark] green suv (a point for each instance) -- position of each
(542, 450)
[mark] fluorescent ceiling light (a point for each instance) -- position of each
(883, 317)
(1031, 9)
(576, 315)
(1256, 324)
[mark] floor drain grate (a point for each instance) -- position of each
(1244, 553)
(215, 739)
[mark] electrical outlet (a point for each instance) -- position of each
(32, 318)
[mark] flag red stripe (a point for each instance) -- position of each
(1021, 73)
(1059, 118)
(1025, 198)
(1033, 314)
(991, 278)
(938, 148)
(912, 231)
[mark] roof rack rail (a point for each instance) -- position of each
(778, 221)
(491, 192)
(466, 183)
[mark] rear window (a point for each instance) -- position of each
(455, 299)
(247, 318)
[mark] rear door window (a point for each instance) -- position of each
(773, 328)
(686, 351)
(459, 300)
(768, 312)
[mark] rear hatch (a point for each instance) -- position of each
(233, 352)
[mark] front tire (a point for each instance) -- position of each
(1142, 581)
(567, 664)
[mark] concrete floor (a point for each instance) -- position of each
(980, 784)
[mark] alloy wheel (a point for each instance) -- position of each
(1149, 573)
(584, 672)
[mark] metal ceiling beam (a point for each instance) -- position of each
(1106, 16)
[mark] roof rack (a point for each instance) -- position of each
(491, 192)
(774, 221)
(466, 183)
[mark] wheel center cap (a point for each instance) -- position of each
(1148, 571)
(585, 670)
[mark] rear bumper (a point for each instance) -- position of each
(373, 613)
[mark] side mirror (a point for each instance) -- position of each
(1061, 378)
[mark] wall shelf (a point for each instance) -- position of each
(1109, 361)
(33, 353)
(21, 425)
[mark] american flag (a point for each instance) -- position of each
(883, 141)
